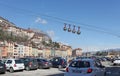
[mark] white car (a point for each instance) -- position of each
(85, 67)
(116, 62)
(14, 65)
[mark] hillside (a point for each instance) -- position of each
(10, 32)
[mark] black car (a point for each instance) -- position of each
(43, 63)
(59, 62)
(30, 63)
(2, 67)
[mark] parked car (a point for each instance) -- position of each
(85, 67)
(2, 67)
(116, 62)
(30, 63)
(14, 65)
(43, 63)
(58, 62)
(3, 60)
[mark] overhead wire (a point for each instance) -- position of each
(60, 20)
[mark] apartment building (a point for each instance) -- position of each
(10, 49)
(21, 49)
(26, 50)
(35, 52)
(46, 53)
(77, 52)
(3, 50)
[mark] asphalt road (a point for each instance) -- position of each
(39, 72)
(113, 71)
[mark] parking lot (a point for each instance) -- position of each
(110, 71)
(39, 72)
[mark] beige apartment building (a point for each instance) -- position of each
(77, 52)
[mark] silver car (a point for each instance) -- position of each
(85, 67)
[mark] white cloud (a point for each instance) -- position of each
(65, 43)
(41, 21)
(51, 33)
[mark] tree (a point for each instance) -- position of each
(56, 45)
(103, 53)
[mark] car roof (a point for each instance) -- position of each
(12, 59)
(89, 60)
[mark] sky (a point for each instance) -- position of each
(99, 20)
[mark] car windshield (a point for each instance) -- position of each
(18, 61)
(44, 60)
(1, 63)
(117, 59)
(79, 64)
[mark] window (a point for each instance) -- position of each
(15, 54)
(34, 60)
(80, 64)
(9, 61)
(18, 61)
(98, 64)
(1, 63)
(44, 60)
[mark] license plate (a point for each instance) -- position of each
(20, 67)
(76, 71)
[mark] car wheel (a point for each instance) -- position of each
(11, 70)
(36, 68)
(114, 64)
(3, 72)
(27, 68)
(59, 67)
(105, 74)
(40, 67)
(48, 68)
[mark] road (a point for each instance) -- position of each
(39, 72)
(113, 71)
